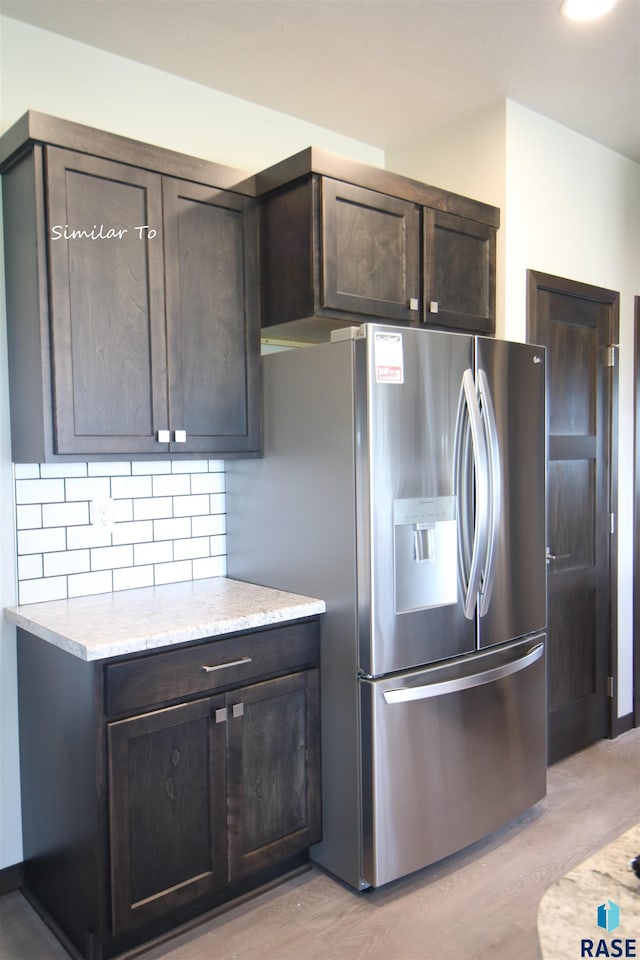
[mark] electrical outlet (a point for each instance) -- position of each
(102, 514)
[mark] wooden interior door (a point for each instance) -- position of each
(578, 323)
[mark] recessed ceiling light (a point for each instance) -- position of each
(586, 9)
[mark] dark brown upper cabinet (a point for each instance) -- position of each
(342, 242)
(459, 270)
(132, 305)
(370, 252)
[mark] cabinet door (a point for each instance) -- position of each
(370, 253)
(459, 272)
(107, 305)
(274, 771)
(212, 320)
(167, 809)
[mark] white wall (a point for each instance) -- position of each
(48, 73)
(10, 839)
(570, 207)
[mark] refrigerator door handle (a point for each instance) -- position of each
(494, 491)
(444, 687)
(472, 585)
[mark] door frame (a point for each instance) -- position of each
(636, 516)
(543, 281)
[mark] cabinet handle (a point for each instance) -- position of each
(433, 306)
(220, 715)
(237, 710)
(179, 436)
(223, 666)
(164, 436)
(414, 303)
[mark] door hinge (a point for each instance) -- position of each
(610, 687)
(611, 354)
(612, 523)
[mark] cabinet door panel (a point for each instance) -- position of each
(107, 305)
(370, 248)
(212, 317)
(274, 772)
(167, 810)
(459, 272)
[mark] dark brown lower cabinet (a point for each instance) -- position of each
(187, 802)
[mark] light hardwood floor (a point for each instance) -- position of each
(480, 904)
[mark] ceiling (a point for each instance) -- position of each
(385, 72)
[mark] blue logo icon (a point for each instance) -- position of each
(609, 919)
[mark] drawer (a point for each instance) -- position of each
(203, 668)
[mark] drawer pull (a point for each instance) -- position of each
(223, 666)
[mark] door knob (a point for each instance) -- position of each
(556, 556)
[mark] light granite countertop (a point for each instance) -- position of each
(131, 621)
(568, 912)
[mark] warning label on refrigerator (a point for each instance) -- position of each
(388, 357)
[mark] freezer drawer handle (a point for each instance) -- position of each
(405, 694)
(223, 666)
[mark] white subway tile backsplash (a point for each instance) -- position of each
(207, 483)
(173, 572)
(70, 561)
(127, 578)
(28, 516)
(83, 584)
(168, 526)
(218, 546)
(211, 525)
(173, 484)
(79, 537)
(190, 506)
(30, 567)
(145, 553)
(176, 529)
(122, 511)
(26, 471)
(108, 469)
(151, 466)
(152, 508)
(40, 491)
(88, 488)
(65, 514)
(211, 567)
(41, 541)
(138, 531)
(63, 469)
(189, 466)
(193, 547)
(39, 591)
(131, 487)
(107, 558)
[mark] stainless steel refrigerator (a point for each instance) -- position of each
(403, 481)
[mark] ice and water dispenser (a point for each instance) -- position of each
(425, 553)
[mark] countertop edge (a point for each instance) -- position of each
(270, 607)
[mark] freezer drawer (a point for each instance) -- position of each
(450, 754)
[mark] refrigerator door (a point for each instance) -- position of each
(510, 381)
(450, 754)
(407, 401)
